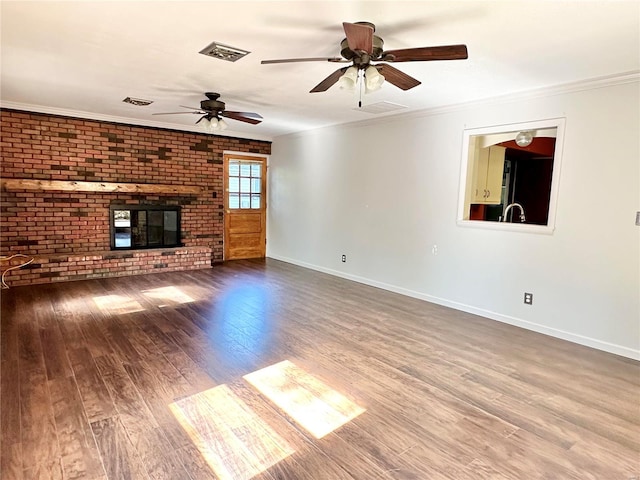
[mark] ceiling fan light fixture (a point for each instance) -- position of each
(373, 79)
(524, 138)
(349, 79)
(212, 109)
(212, 124)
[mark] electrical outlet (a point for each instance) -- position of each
(528, 298)
(344, 258)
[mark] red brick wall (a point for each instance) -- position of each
(59, 228)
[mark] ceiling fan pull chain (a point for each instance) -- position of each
(361, 82)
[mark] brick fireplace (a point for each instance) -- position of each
(60, 176)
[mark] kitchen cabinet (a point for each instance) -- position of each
(488, 173)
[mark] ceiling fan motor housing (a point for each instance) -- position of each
(359, 58)
(212, 105)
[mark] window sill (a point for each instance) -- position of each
(508, 227)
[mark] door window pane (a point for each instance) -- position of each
(245, 201)
(234, 184)
(256, 170)
(234, 200)
(255, 201)
(255, 185)
(234, 169)
(245, 185)
(245, 170)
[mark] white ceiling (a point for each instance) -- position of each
(83, 58)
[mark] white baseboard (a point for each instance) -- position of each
(535, 327)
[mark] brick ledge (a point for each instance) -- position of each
(113, 254)
(109, 263)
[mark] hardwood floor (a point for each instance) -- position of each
(97, 377)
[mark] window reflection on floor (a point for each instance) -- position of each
(170, 294)
(315, 406)
(117, 304)
(236, 443)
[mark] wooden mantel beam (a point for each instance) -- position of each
(73, 186)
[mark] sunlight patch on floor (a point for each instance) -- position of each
(117, 304)
(170, 294)
(315, 406)
(236, 443)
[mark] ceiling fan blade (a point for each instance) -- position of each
(312, 59)
(359, 37)
(253, 115)
(175, 113)
(397, 78)
(243, 117)
(421, 54)
(324, 85)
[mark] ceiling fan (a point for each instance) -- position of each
(212, 110)
(362, 47)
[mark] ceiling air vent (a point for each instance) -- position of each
(138, 102)
(381, 107)
(224, 52)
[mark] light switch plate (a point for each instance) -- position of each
(638, 218)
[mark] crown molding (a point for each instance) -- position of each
(124, 120)
(549, 91)
(581, 85)
(578, 86)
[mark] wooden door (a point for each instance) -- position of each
(245, 206)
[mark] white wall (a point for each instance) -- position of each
(385, 192)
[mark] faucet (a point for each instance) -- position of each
(509, 207)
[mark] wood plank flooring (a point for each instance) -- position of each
(89, 371)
